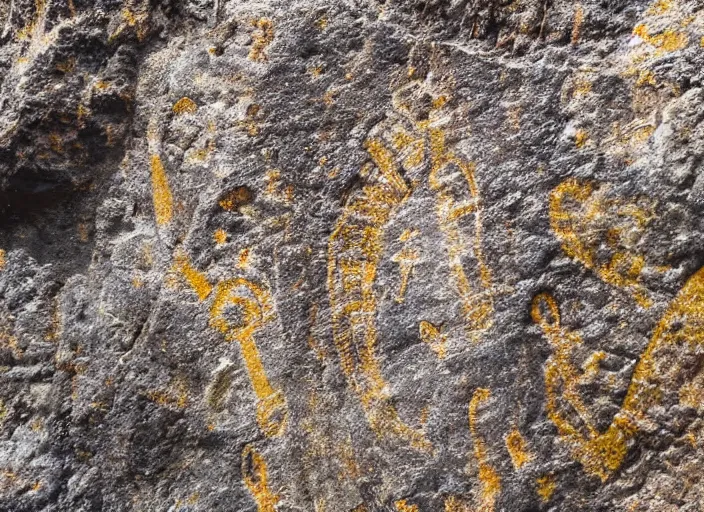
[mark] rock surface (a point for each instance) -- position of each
(359, 255)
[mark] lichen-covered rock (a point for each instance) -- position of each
(367, 255)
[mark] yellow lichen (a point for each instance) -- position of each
(29, 30)
(677, 337)
(404, 506)
(659, 7)
(454, 504)
(488, 477)
(197, 280)
(667, 41)
(255, 475)
(581, 138)
(322, 22)
(161, 193)
(261, 39)
(175, 395)
(243, 258)
(435, 339)
(582, 87)
(577, 23)
(220, 236)
(185, 106)
(517, 448)
(645, 77)
(236, 198)
(256, 310)
(3, 259)
(574, 225)
(546, 487)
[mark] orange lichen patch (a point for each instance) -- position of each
(322, 22)
(237, 197)
(645, 77)
(36, 486)
(255, 476)
(220, 236)
(642, 134)
(9, 341)
(581, 138)
(191, 500)
(582, 87)
(513, 117)
(577, 212)
(517, 448)
(196, 279)
(667, 41)
(546, 486)
(132, 17)
(433, 336)
(440, 101)
(692, 395)
(185, 106)
(83, 232)
(413, 148)
(161, 193)
(273, 178)
(53, 333)
(454, 504)
(329, 97)
(659, 7)
(404, 506)
(577, 23)
(175, 396)
(408, 234)
(3, 259)
(261, 38)
(56, 143)
(315, 71)
(243, 258)
(137, 282)
(354, 252)
(488, 477)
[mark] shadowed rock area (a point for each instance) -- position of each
(351, 256)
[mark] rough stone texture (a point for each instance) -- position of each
(357, 255)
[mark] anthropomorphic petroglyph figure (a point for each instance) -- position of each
(668, 366)
(402, 149)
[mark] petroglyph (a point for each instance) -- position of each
(254, 309)
(434, 337)
(161, 193)
(663, 371)
(356, 245)
(587, 222)
(489, 479)
(255, 476)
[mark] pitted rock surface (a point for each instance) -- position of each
(363, 255)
